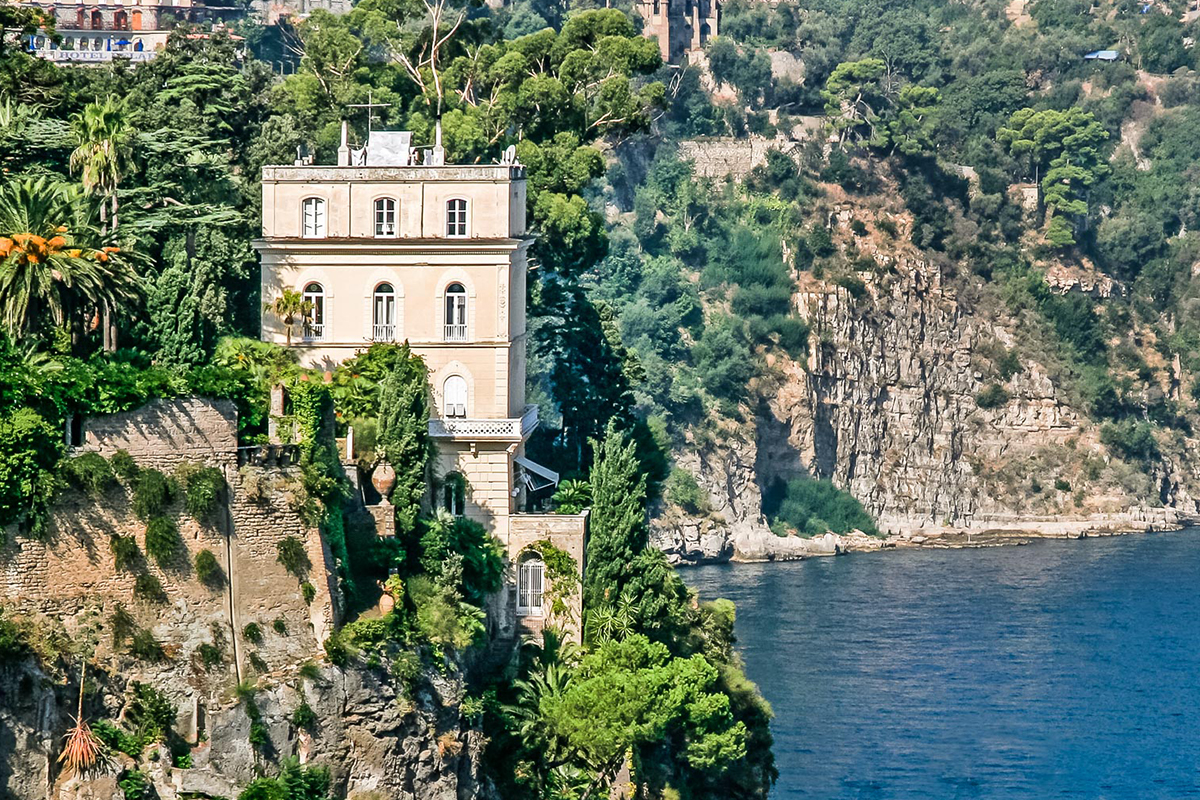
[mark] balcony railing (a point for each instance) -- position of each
(314, 332)
(383, 333)
(458, 428)
(456, 333)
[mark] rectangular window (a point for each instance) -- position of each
(314, 218)
(456, 218)
(385, 217)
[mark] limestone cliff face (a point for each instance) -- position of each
(886, 408)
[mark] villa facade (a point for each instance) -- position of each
(393, 245)
(98, 31)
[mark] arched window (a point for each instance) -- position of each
(385, 217)
(120, 21)
(314, 323)
(456, 313)
(456, 218)
(454, 494)
(383, 316)
(97, 22)
(531, 586)
(136, 19)
(454, 396)
(138, 46)
(314, 217)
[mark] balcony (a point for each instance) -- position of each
(456, 333)
(314, 331)
(489, 429)
(383, 333)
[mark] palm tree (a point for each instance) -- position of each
(53, 260)
(103, 134)
(288, 306)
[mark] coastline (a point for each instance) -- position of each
(757, 544)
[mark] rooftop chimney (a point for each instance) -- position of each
(344, 149)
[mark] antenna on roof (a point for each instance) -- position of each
(370, 106)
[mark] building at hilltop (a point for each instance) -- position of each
(97, 31)
(392, 245)
(681, 26)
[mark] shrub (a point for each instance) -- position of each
(853, 285)
(1062, 485)
(992, 396)
(122, 624)
(149, 588)
(152, 492)
(280, 626)
(146, 647)
(293, 556)
(252, 633)
(14, 643)
(304, 717)
(208, 569)
(124, 465)
(858, 228)
(90, 472)
(814, 507)
(163, 542)
(683, 490)
(29, 452)
(210, 655)
(1132, 441)
(126, 553)
(134, 785)
(203, 488)
(308, 592)
(337, 650)
(260, 735)
(257, 663)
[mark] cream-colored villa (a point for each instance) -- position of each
(394, 245)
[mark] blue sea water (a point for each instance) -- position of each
(1062, 669)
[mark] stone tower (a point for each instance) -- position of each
(681, 26)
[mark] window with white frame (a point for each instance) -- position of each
(456, 217)
(454, 396)
(313, 212)
(456, 313)
(531, 586)
(383, 327)
(454, 494)
(385, 217)
(314, 319)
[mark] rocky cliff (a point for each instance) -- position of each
(887, 406)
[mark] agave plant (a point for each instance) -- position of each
(83, 752)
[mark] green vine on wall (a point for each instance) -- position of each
(562, 577)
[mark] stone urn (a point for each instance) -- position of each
(383, 478)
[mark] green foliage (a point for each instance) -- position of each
(163, 542)
(280, 626)
(618, 522)
(149, 588)
(208, 569)
(308, 592)
(572, 496)
(992, 396)
(122, 625)
(152, 493)
(145, 647)
(252, 633)
(443, 618)
(135, 785)
(304, 717)
(294, 782)
(293, 556)
(127, 555)
(90, 472)
(814, 507)
(257, 663)
(403, 434)
(29, 451)
(124, 466)
(14, 643)
(210, 655)
(684, 491)
(461, 553)
(203, 489)
(1130, 440)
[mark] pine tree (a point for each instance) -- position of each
(618, 523)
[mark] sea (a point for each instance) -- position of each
(1058, 669)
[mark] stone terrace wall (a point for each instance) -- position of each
(726, 157)
(165, 433)
(71, 574)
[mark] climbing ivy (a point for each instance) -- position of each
(562, 576)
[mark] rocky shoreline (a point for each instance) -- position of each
(755, 544)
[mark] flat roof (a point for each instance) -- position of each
(324, 173)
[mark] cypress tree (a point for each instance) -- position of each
(404, 435)
(618, 523)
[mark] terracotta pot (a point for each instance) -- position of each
(386, 603)
(383, 478)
